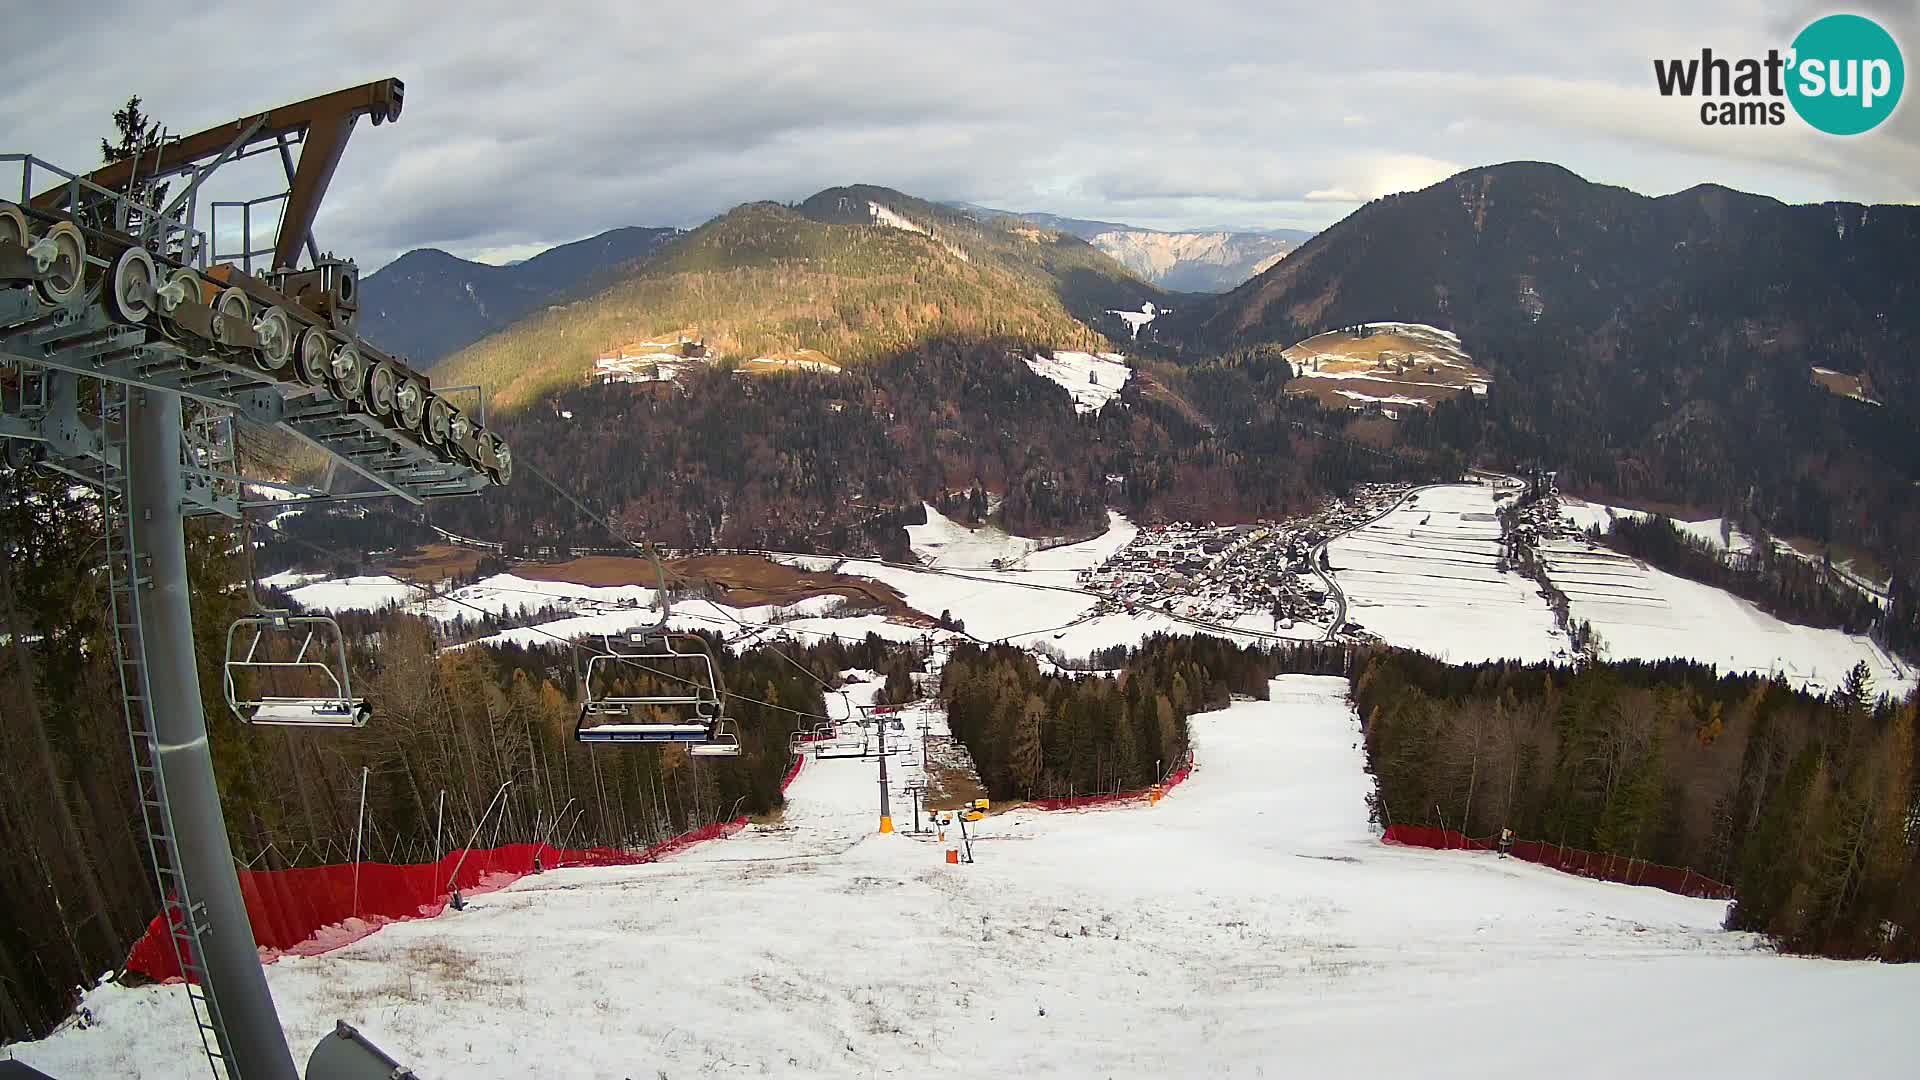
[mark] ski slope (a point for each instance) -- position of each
(1092, 379)
(1424, 577)
(1249, 925)
(1642, 613)
(944, 542)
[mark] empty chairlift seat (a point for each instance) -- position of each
(289, 670)
(684, 707)
(724, 742)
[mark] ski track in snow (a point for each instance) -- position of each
(1424, 577)
(1249, 925)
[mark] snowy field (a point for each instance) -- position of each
(1092, 378)
(1642, 613)
(597, 610)
(1424, 577)
(944, 542)
(1714, 532)
(1250, 925)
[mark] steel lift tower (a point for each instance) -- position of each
(129, 350)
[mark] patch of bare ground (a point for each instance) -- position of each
(734, 580)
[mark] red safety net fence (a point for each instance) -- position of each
(1095, 802)
(1590, 864)
(309, 910)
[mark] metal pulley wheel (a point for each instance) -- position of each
(13, 225)
(439, 422)
(410, 404)
(275, 329)
(315, 350)
(182, 287)
(349, 371)
(231, 304)
(381, 385)
(131, 286)
(61, 257)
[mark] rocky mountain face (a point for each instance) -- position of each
(428, 304)
(1197, 260)
(1203, 262)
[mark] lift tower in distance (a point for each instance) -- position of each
(129, 351)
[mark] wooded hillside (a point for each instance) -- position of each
(1807, 806)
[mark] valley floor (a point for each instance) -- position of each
(1251, 924)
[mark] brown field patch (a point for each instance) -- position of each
(1394, 367)
(734, 580)
(435, 562)
(1845, 385)
(791, 360)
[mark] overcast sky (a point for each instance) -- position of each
(528, 125)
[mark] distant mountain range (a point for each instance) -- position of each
(427, 304)
(1194, 260)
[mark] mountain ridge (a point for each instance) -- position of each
(429, 303)
(848, 275)
(1658, 348)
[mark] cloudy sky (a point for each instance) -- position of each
(528, 125)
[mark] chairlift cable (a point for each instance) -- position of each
(651, 552)
(571, 644)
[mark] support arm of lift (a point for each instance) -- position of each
(320, 124)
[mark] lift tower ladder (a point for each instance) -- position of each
(186, 918)
(98, 287)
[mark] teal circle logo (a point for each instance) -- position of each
(1846, 74)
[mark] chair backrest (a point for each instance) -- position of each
(690, 700)
(262, 646)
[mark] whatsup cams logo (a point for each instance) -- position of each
(1843, 75)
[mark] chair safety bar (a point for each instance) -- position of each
(321, 657)
(644, 733)
(724, 742)
(695, 695)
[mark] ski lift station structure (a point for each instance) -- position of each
(129, 350)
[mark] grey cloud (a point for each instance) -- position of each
(532, 125)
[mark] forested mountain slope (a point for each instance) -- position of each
(826, 462)
(851, 274)
(427, 303)
(1648, 348)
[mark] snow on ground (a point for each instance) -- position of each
(1716, 533)
(944, 542)
(993, 606)
(1092, 378)
(1648, 614)
(597, 610)
(369, 593)
(886, 215)
(1424, 577)
(274, 492)
(1249, 925)
(1586, 515)
(1390, 399)
(1086, 554)
(1137, 319)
